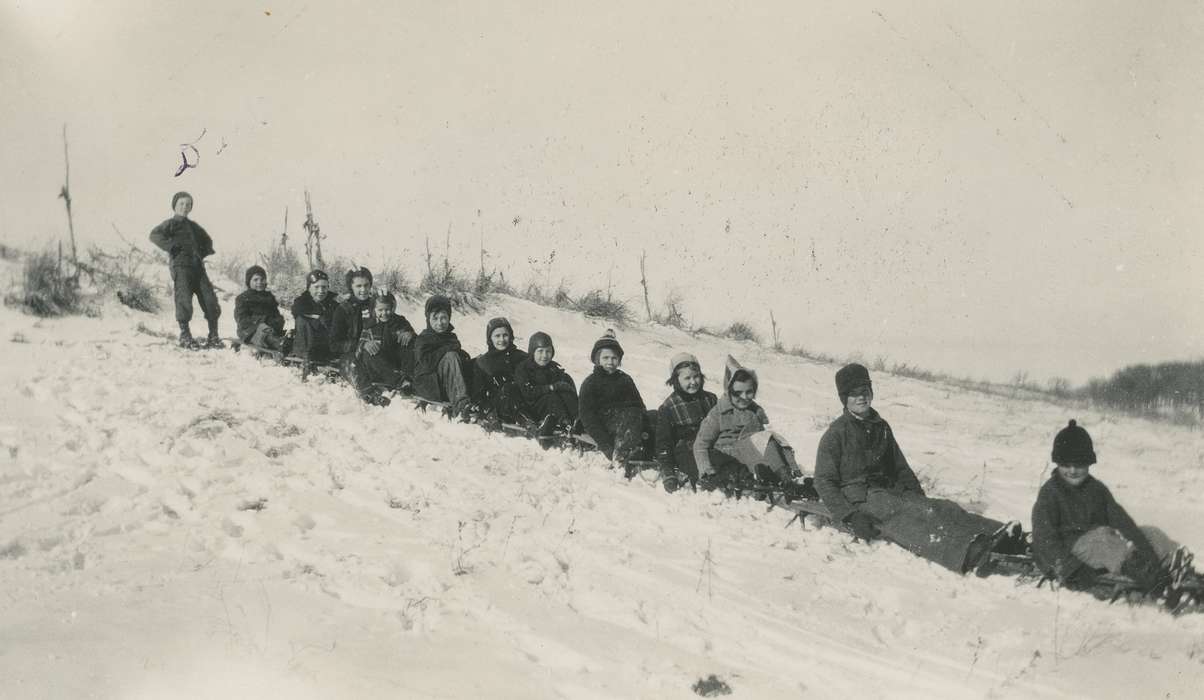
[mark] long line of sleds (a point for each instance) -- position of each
(1184, 593)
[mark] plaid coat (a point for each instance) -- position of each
(677, 422)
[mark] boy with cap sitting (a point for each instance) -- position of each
(734, 443)
(1080, 532)
(257, 313)
(548, 392)
(868, 486)
(441, 367)
(313, 318)
(187, 245)
(612, 410)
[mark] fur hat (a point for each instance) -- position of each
(177, 196)
(539, 339)
(851, 376)
(493, 325)
(357, 272)
(437, 303)
(314, 276)
(1072, 445)
(608, 340)
(252, 271)
(734, 372)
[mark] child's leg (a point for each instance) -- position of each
(181, 281)
(1102, 548)
(1163, 545)
(626, 425)
(452, 385)
(266, 337)
(207, 298)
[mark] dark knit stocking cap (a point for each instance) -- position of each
(252, 271)
(608, 340)
(1072, 445)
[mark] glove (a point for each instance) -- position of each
(862, 525)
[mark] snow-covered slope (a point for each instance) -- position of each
(398, 555)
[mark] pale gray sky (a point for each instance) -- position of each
(980, 188)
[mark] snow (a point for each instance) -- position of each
(184, 525)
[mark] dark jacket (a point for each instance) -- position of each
(602, 391)
(1063, 513)
(395, 350)
(348, 324)
(429, 349)
(535, 382)
(185, 242)
(494, 369)
(305, 306)
(677, 422)
(252, 308)
(855, 454)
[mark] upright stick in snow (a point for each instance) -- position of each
(65, 195)
(644, 282)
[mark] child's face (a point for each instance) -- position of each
(318, 290)
(742, 394)
(183, 206)
(859, 400)
(360, 288)
(258, 282)
(382, 309)
(543, 355)
(608, 360)
(1074, 474)
(689, 379)
(500, 338)
(440, 321)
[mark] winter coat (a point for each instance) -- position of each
(183, 240)
(603, 391)
(677, 422)
(1064, 512)
(855, 454)
(535, 381)
(348, 324)
(494, 369)
(305, 306)
(724, 426)
(392, 332)
(252, 308)
(429, 349)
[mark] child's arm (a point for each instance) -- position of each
(904, 476)
(708, 434)
(275, 319)
(664, 438)
(827, 476)
(592, 420)
(1048, 545)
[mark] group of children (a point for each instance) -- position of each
(1079, 531)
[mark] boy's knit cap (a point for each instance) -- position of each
(1072, 445)
(608, 340)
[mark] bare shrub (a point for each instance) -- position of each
(597, 304)
(45, 289)
(672, 315)
(286, 270)
(742, 331)
(124, 274)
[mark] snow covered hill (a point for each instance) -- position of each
(202, 525)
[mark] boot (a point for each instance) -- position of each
(214, 341)
(186, 340)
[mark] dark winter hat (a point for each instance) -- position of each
(385, 296)
(314, 276)
(539, 339)
(255, 270)
(1072, 445)
(176, 197)
(438, 303)
(608, 340)
(850, 377)
(734, 372)
(493, 325)
(357, 272)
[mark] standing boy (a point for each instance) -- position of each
(187, 245)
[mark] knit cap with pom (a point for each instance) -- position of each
(1072, 445)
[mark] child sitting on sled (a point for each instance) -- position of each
(678, 420)
(493, 373)
(548, 392)
(441, 367)
(385, 355)
(612, 410)
(734, 438)
(867, 484)
(257, 313)
(1080, 532)
(313, 316)
(356, 310)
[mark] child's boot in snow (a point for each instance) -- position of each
(186, 340)
(214, 341)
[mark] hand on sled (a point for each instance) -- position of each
(862, 525)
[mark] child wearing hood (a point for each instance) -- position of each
(441, 367)
(867, 484)
(347, 325)
(549, 393)
(313, 316)
(257, 313)
(385, 354)
(1081, 532)
(493, 372)
(612, 410)
(735, 438)
(678, 420)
